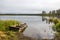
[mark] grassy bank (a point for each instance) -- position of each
(4, 24)
(6, 34)
(56, 27)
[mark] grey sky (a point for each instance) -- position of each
(28, 6)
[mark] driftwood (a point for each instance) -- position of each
(22, 27)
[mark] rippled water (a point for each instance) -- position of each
(36, 27)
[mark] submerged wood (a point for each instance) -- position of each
(20, 28)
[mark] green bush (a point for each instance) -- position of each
(57, 27)
(55, 21)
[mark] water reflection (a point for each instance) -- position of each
(43, 18)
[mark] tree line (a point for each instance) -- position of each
(53, 12)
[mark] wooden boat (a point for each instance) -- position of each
(20, 28)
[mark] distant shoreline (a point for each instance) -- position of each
(22, 14)
(29, 14)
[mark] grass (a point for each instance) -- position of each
(56, 28)
(4, 25)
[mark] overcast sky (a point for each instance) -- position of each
(28, 6)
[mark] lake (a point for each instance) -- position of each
(37, 27)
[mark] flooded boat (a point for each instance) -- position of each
(19, 28)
